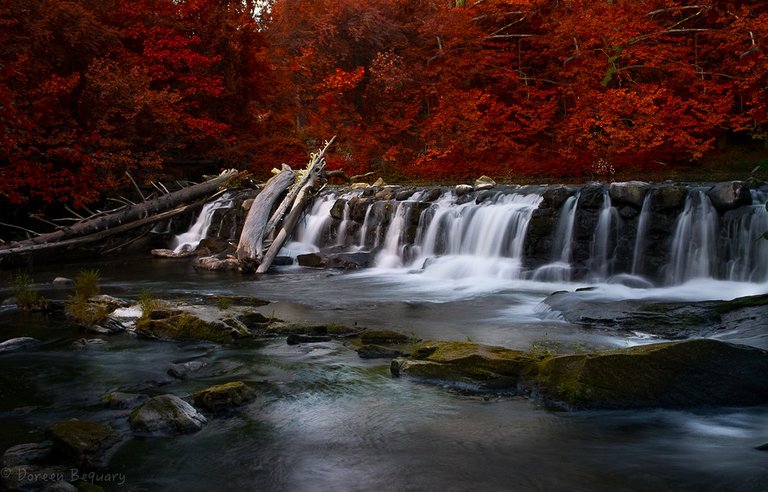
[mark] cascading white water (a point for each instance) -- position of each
(559, 270)
(316, 222)
(477, 240)
(742, 245)
(391, 255)
(604, 240)
(189, 240)
(693, 248)
(642, 230)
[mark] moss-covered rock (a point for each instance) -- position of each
(383, 336)
(667, 375)
(223, 396)
(186, 326)
(466, 363)
(82, 443)
(166, 414)
(675, 374)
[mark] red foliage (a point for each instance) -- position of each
(431, 89)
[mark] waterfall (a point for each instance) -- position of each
(391, 255)
(316, 222)
(742, 246)
(692, 253)
(189, 240)
(642, 230)
(559, 270)
(604, 240)
(477, 240)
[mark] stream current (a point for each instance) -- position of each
(327, 420)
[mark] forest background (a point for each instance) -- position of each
(430, 90)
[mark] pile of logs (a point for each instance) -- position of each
(256, 249)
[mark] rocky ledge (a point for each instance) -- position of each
(684, 374)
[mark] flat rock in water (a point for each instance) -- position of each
(122, 401)
(166, 414)
(184, 369)
(295, 339)
(690, 373)
(377, 352)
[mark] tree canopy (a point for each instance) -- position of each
(438, 89)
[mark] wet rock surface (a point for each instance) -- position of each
(166, 414)
(690, 373)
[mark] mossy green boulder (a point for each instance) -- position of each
(166, 414)
(186, 326)
(690, 373)
(223, 396)
(671, 375)
(466, 362)
(82, 443)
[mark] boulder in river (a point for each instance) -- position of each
(19, 343)
(689, 373)
(224, 396)
(166, 414)
(81, 442)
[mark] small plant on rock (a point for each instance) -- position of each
(27, 298)
(78, 307)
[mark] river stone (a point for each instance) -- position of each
(19, 343)
(215, 264)
(484, 183)
(690, 373)
(182, 370)
(340, 260)
(223, 396)
(27, 454)
(629, 192)
(186, 326)
(81, 442)
(383, 336)
(377, 352)
(166, 414)
(117, 400)
(297, 338)
(63, 282)
(337, 211)
(667, 375)
(731, 194)
(60, 486)
(463, 189)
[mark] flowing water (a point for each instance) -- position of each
(327, 420)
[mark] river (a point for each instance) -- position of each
(327, 420)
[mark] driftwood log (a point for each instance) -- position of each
(100, 226)
(250, 247)
(299, 197)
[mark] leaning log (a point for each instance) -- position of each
(250, 245)
(101, 226)
(303, 198)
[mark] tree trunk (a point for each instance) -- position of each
(250, 246)
(103, 225)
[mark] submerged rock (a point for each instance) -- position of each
(296, 338)
(19, 343)
(223, 396)
(377, 352)
(166, 414)
(332, 259)
(122, 401)
(383, 337)
(667, 375)
(82, 443)
(182, 370)
(28, 454)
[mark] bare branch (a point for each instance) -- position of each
(143, 198)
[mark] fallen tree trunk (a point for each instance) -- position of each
(101, 226)
(250, 246)
(302, 192)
